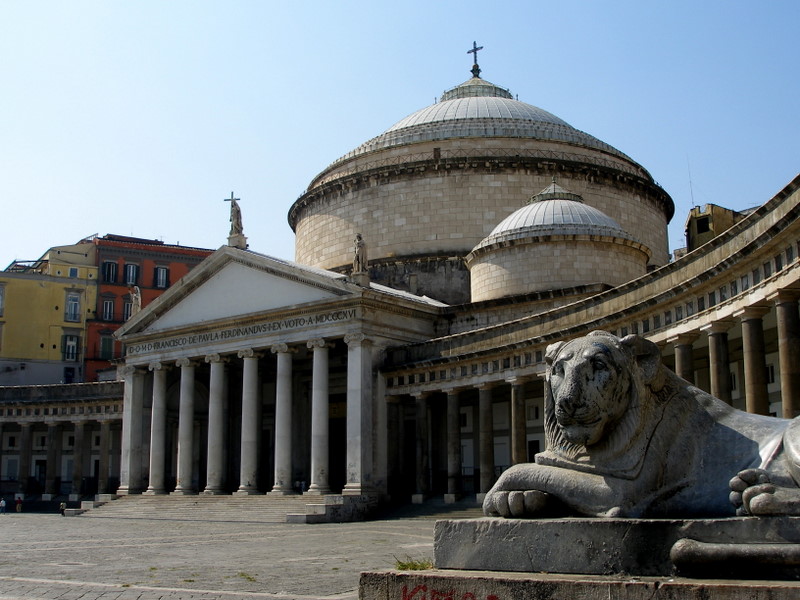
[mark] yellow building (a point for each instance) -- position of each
(44, 305)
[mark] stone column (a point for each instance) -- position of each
(131, 480)
(519, 422)
(684, 356)
(359, 415)
(105, 457)
(53, 459)
(158, 429)
(251, 423)
(789, 351)
(755, 366)
(422, 449)
(217, 395)
(453, 448)
(283, 421)
(319, 419)
(719, 364)
(185, 428)
(24, 456)
(78, 460)
(486, 439)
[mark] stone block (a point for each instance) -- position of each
(612, 546)
(481, 585)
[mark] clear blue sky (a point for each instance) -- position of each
(138, 118)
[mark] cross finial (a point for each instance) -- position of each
(476, 71)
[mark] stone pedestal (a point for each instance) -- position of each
(653, 547)
(482, 585)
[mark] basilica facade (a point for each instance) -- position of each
(401, 354)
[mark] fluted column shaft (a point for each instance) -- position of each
(519, 442)
(359, 414)
(486, 438)
(185, 428)
(755, 366)
(53, 458)
(319, 419)
(131, 476)
(217, 394)
(453, 444)
(283, 420)
(158, 429)
(78, 458)
(719, 365)
(251, 424)
(788, 352)
(105, 458)
(684, 357)
(422, 445)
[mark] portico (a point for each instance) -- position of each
(273, 390)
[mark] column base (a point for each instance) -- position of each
(74, 497)
(451, 498)
(154, 492)
(417, 498)
(316, 491)
(47, 497)
(282, 492)
(178, 492)
(356, 489)
(246, 492)
(213, 492)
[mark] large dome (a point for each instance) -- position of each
(478, 108)
(427, 190)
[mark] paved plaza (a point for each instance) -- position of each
(51, 557)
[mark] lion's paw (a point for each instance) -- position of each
(752, 493)
(516, 504)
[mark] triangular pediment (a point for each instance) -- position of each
(234, 283)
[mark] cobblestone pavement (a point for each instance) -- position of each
(51, 557)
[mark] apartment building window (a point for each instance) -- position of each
(161, 277)
(723, 293)
(756, 276)
(668, 317)
(712, 299)
(678, 313)
(73, 272)
(108, 310)
(106, 347)
(767, 269)
(69, 347)
(656, 321)
(778, 263)
(734, 288)
(131, 274)
(745, 282)
(127, 309)
(109, 272)
(73, 312)
(789, 254)
(701, 303)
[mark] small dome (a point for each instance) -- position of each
(554, 211)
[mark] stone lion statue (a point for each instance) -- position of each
(627, 437)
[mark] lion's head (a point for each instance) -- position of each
(597, 385)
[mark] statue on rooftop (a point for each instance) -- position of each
(359, 255)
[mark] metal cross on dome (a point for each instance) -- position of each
(474, 51)
(475, 68)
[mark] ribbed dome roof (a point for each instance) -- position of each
(478, 108)
(554, 211)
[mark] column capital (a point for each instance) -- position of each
(784, 296)
(318, 343)
(282, 348)
(130, 370)
(517, 379)
(486, 385)
(420, 395)
(720, 326)
(682, 339)
(185, 362)
(453, 391)
(356, 338)
(751, 312)
(216, 358)
(158, 366)
(249, 353)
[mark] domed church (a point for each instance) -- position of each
(401, 354)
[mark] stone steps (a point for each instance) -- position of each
(260, 508)
(257, 508)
